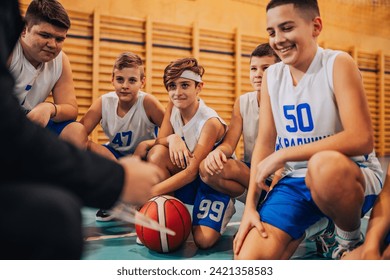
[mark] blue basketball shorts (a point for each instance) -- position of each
(210, 208)
(242, 198)
(387, 239)
(57, 127)
(290, 207)
(116, 154)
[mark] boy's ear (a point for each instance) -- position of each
(24, 31)
(200, 86)
(317, 22)
(143, 81)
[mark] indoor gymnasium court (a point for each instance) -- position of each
(221, 34)
(116, 240)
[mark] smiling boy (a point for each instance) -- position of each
(313, 105)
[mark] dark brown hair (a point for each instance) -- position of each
(50, 11)
(308, 8)
(264, 50)
(177, 67)
(129, 60)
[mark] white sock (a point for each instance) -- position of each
(348, 235)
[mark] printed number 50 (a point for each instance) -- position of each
(301, 117)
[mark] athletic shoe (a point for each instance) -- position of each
(326, 240)
(331, 246)
(103, 216)
(344, 245)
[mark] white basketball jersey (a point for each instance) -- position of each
(308, 112)
(126, 133)
(33, 86)
(190, 132)
(249, 110)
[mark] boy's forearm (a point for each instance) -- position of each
(65, 112)
(162, 141)
(174, 182)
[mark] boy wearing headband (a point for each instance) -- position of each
(190, 130)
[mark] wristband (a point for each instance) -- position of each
(55, 109)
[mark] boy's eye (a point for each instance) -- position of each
(44, 35)
(287, 28)
(133, 81)
(253, 68)
(271, 32)
(119, 79)
(171, 86)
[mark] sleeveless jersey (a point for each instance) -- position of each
(190, 132)
(126, 133)
(249, 110)
(308, 112)
(33, 86)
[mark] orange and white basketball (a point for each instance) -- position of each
(170, 212)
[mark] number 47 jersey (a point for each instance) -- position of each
(307, 112)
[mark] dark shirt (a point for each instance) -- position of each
(32, 154)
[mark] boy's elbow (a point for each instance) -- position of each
(367, 143)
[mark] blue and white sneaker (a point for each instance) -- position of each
(344, 245)
(331, 246)
(326, 240)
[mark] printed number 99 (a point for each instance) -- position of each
(213, 209)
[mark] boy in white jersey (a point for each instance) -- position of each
(220, 170)
(313, 105)
(129, 117)
(40, 67)
(190, 130)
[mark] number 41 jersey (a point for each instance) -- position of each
(307, 112)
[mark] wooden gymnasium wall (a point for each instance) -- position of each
(97, 37)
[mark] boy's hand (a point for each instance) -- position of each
(250, 219)
(214, 162)
(178, 151)
(267, 167)
(139, 179)
(41, 114)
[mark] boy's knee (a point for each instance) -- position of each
(204, 175)
(156, 153)
(325, 165)
(76, 134)
(205, 237)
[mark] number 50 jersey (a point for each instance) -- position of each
(308, 112)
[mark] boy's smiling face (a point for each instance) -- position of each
(293, 35)
(183, 92)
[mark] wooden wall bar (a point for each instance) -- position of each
(97, 37)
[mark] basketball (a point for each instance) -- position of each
(170, 212)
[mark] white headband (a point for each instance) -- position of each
(188, 74)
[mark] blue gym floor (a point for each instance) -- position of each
(115, 240)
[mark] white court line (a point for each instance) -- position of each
(234, 224)
(102, 237)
